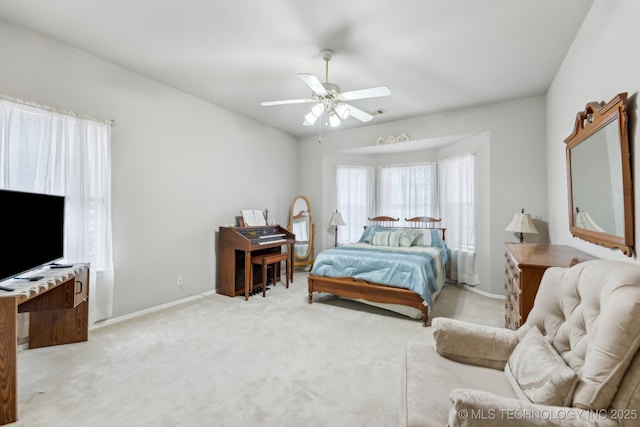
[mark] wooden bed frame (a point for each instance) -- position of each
(349, 287)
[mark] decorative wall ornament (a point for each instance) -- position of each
(392, 139)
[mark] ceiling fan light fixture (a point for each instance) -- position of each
(329, 102)
(334, 120)
(310, 119)
(317, 109)
(343, 111)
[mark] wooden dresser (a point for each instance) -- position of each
(525, 263)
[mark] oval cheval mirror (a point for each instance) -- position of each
(599, 176)
(301, 225)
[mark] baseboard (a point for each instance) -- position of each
(119, 319)
(484, 293)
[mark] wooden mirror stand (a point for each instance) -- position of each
(301, 225)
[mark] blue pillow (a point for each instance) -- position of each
(368, 233)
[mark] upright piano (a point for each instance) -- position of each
(236, 246)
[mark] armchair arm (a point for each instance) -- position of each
(475, 408)
(473, 344)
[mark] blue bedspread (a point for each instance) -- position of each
(413, 269)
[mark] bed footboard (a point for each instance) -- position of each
(348, 287)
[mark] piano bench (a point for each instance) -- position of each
(265, 261)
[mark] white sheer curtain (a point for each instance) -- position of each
(406, 191)
(46, 151)
(355, 193)
(457, 207)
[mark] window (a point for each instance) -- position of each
(445, 190)
(45, 151)
(407, 191)
(458, 209)
(355, 195)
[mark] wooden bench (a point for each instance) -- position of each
(265, 260)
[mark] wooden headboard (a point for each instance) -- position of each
(424, 222)
(385, 221)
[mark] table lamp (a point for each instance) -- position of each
(335, 221)
(522, 223)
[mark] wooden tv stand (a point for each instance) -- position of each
(59, 314)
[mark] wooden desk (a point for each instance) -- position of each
(59, 314)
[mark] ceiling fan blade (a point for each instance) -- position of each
(287, 101)
(313, 82)
(372, 92)
(357, 113)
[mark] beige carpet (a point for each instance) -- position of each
(220, 361)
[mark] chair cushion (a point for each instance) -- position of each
(538, 374)
(467, 342)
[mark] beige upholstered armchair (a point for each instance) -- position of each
(574, 362)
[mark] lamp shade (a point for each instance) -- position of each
(336, 219)
(522, 223)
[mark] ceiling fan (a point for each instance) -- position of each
(329, 101)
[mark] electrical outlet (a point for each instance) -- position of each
(180, 281)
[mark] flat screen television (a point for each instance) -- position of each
(32, 231)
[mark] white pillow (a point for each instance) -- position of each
(407, 237)
(423, 238)
(538, 374)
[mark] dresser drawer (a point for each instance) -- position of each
(512, 306)
(513, 312)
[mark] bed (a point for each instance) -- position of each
(397, 268)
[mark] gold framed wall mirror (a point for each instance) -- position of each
(302, 226)
(599, 181)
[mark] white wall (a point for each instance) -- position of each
(602, 62)
(514, 171)
(181, 167)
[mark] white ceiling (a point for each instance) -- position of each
(434, 55)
